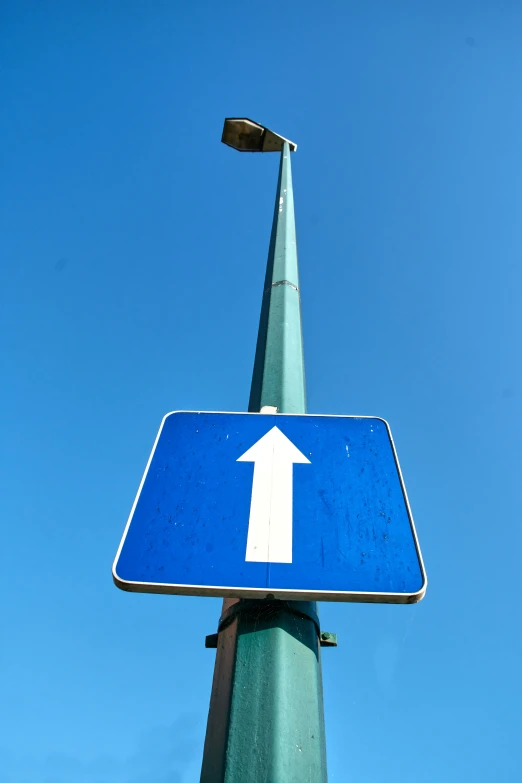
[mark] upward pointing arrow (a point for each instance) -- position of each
(270, 525)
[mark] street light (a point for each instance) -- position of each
(266, 708)
(248, 136)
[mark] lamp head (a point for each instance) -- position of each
(248, 136)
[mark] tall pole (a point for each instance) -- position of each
(266, 721)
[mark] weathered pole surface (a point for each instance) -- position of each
(266, 721)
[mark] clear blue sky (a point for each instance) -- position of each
(133, 247)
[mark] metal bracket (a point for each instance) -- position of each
(326, 639)
(211, 641)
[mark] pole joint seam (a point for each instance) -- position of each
(281, 282)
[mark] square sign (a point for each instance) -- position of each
(258, 505)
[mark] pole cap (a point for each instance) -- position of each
(248, 136)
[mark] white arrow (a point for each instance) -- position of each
(270, 525)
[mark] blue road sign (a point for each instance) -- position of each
(272, 505)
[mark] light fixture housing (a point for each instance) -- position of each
(248, 136)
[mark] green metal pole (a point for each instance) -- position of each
(266, 722)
